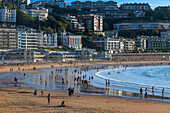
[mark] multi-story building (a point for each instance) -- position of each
(110, 13)
(128, 45)
(91, 22)
(27, 38)
(48, 40)
(136, 6)
(41, 13)
(71, 40)
(92, 5)
(139, 26)
(114, 45)
(60, 3)
(8, 38)
(73, 21)
(7, 15)
(166, 35)
(150, 43)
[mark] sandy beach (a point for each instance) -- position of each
(22, 99)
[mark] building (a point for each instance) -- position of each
(60, 3)
(8, 38)
(111, 33)
(41, 13)
(112, 45)
(24, 55)
(128, 45)
(91, 22)
(139, 26)
(136, 6)
(72, 56)
(27, 38)
(150, 43)
(109, 13)
(71, 40)
(48, 40)
(92, 5)
(7, 15)
(115, 45)
(74, 22)
(166, 35)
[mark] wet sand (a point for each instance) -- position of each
(23, 100)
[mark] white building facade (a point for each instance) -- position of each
(41, 13)
(70, 40)
(27, 38)
(48, 40)
(7, 15)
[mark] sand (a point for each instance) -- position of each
(21, 100)
(14, 100)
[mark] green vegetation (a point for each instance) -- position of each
(48, 25)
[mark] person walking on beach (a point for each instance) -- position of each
(35, 92)
(162, 93)
(141, 92)
(69, 91)
(72, 91)
(152, 92)
(48, 99)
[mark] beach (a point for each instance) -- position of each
(23, 100)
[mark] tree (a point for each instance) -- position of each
(48, 30)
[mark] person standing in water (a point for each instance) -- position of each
(141, 92)
(106, 83)
(162, 93)
(146, 92)
(152, 92)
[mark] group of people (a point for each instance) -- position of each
(146, 92)
(107, 83)
(71, 91)
(49, 98)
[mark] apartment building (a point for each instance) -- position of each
(7, 15)
(8, 38)
(114, 45)
(41, 13)
(48, 40)
(27, 38)
(60, 3)
(166, 35)
(136, 6)
(71, 40)
(91, 22)
(151, 43)
(92, 5)
(138, 26)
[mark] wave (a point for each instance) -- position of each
(121, 81)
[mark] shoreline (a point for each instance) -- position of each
(87, 98)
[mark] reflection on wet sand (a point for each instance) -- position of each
(61, 79)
